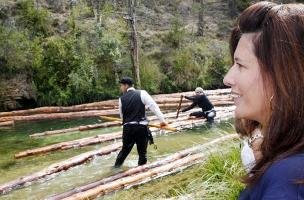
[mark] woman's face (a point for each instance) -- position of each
(246, 83)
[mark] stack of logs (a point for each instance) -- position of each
(165, 101)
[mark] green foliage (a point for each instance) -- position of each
(242, 4)
(84, 63)
(176, 35)
(17, 53)
(184, 70)
(215, 73)
(37, 21)
(150, 75)
(199, 64)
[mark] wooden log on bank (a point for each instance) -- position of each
(58, 167)
(167, 165)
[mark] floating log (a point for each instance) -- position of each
(7, 123)
(167, 165)
(79, 128)
(70, 144)
(109, 104)
(58, 167)
(70, 115)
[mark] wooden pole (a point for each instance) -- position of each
(150, 125)
(179, 105)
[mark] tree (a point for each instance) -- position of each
(200, 25)
(133, 42)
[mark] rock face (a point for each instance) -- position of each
(16, 92)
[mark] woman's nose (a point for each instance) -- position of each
(228, 79)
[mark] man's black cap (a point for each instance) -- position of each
(126, 80)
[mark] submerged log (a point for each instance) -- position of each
(58, 167)
(167, 165)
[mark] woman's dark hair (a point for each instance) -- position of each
(279, 47)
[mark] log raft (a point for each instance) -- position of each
(84, 157)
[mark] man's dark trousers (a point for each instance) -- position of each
(133, 134)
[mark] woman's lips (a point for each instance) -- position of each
(236, 97)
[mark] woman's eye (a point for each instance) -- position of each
(240, 65)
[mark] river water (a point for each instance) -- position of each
(16, 139)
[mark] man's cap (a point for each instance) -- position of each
(199, 90)
(126, 80)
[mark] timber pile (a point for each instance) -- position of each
(82, 158)
(166, 101)
(226, 112)
(141, 174)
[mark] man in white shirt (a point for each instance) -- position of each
(135, 125)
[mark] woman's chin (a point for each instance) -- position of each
(239, 113)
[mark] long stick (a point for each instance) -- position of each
(150, 125)
(179, 105)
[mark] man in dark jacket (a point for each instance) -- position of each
(201, 100)
(135, 125)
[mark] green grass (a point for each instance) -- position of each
(216, 178)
